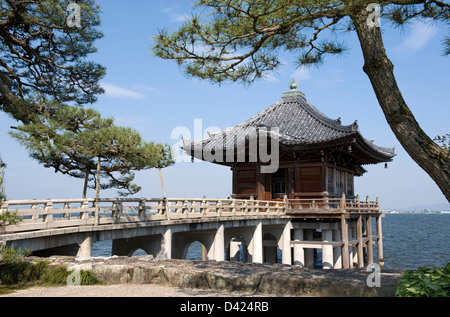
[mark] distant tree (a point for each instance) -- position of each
(2, 186)
(6, 216)
(240, 41)
(43, 53)
(80, 143)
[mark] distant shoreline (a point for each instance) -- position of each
(422, 212)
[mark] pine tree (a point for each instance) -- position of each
(74, 140)
(2, 186)
(44, 54)
(240, 41)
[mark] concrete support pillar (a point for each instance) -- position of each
(327, 250)
(217, 251)
(257, 244)
(337, 251)
(85, 250)
(286, 255)
(235, 246)
(299, 253)
(165, 252)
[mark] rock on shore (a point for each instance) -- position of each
(275, 279)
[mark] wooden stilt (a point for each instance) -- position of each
(359, 233)
(370, 241)
(380, 242)
(344, 235)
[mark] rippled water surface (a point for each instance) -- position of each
(414, 240)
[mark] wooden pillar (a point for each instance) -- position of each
(359, 237)
(380, 242)
(344, 240)
(370, 241)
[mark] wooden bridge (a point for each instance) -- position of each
(229, 229)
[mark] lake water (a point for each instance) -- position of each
(410, 241)
(414, 240)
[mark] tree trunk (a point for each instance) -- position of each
(433, 159)
(97, 194)
(86, 180)
(162, 184)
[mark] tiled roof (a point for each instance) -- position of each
(299, 124)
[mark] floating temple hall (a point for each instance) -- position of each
(292, 152)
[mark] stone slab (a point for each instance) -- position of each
(275, 279)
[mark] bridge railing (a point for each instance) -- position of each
(327, 204)
(180, 207)
(61, 213)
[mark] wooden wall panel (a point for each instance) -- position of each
(245, 183)
(310, 179)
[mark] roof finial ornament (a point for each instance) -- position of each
(293, 85)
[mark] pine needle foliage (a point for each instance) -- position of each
(41, 54)
(72, 139)
(241, 40)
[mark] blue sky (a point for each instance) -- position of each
(154, 97)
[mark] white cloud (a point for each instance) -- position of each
(302, 74)
(131, 121)
(420, 35)
(177, 17)
(174, 16)
(169, 9)
(270, 78)
(117, 92)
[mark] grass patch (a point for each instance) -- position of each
(16, 275)
(21, 272)
(62, 276)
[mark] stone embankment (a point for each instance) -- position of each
(278, 280)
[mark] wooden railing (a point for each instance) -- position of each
(62, 213)
(333, 205)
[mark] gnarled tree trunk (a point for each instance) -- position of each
(433, 159)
